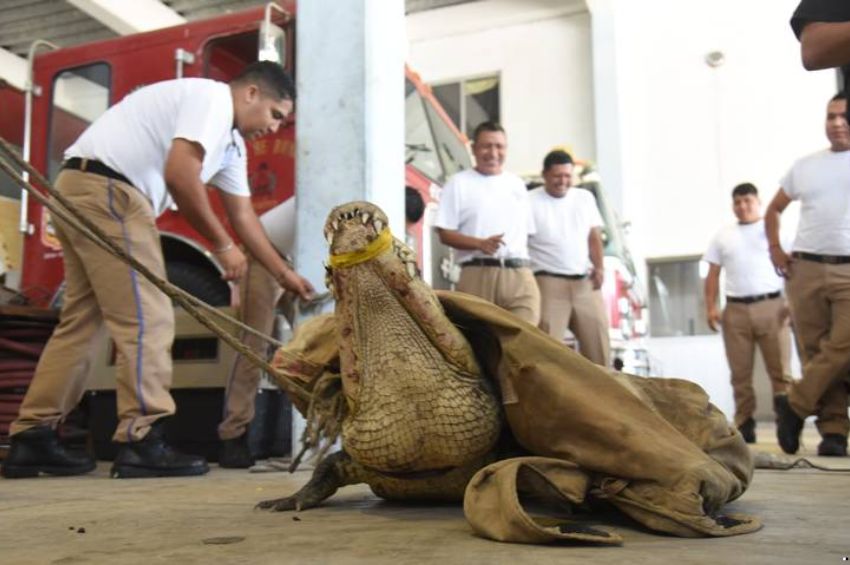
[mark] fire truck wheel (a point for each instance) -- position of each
(200, 282)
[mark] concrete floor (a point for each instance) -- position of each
(93, 519)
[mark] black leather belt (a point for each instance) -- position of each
(493, 262)
(559, 275)
(94, 167)
(830, 259)
(753, 298)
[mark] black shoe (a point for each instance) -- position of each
(152, 457)
(37, 450)
(788, 424)
(748, 430)
(833, 445)
(235, 453)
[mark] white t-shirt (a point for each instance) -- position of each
(821, 182)
(484, 205)
(563, 225)
(279, 223)
(134, 136)
(744, 252)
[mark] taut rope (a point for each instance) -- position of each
(195, 307)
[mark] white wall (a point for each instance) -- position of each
(688, 132)
(541, 50)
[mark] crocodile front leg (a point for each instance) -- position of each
(335, 470)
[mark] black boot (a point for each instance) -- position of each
(37, 450)
(748, 430)
(235, 453)
(833, 445)
(152, 457)
(788, 424)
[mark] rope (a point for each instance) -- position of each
(764, 460)
(193, 305)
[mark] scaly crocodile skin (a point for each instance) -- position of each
(417, 399)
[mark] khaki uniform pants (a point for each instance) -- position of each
(574, 304)
(513, 289)
(259, 294)
(820, 305)
(100, 288)
(744, 327)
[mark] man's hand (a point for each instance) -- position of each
(712, 316)
(233, 263)
(290, 280)
(781, 261)
(491, 244)
(597, 277)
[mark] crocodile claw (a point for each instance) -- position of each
(280, 504)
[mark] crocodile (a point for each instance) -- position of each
(443, 396)
(418, 405)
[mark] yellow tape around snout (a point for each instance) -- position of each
(380, 244)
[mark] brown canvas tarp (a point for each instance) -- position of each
(657, 449)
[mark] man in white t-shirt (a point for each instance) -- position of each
(567, 259)
(484, 214)
(818, 286)
(163, 142)
(755, 312)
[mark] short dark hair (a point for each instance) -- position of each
(486, 126)
(842, 95)
(557, 157)
(272, 79)
(414, 205)
(744, 189)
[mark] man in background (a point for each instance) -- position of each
(755, 312)
(567, 259)
(485, 215)
(818, 286)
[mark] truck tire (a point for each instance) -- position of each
(198, 281)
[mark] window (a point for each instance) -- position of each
(79, 96)
(452, 151)
(470, 101)
(676, 301)
(420, 150)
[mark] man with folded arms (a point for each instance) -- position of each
(755, 311)
(484, 214)
(818, 286)
(567, 259)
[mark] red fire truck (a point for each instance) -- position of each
(72, 86)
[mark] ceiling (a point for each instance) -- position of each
(60, 22)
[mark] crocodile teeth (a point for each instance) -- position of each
(335, 225)
(379, 225)
(364, 217)
(411, 269)
(329, 237)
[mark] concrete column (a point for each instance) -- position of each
(350, 120)
(606, 99)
